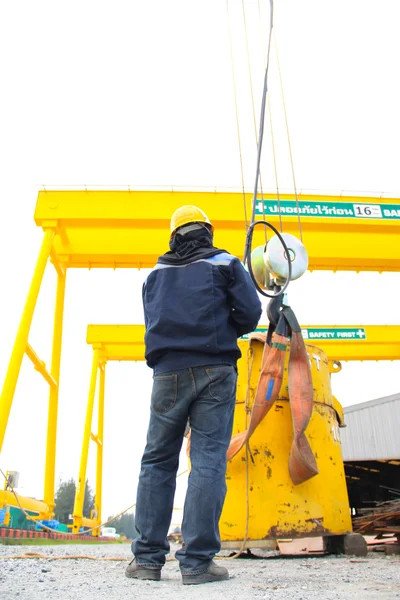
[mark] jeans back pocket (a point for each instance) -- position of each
(222, 382)
(164, 393)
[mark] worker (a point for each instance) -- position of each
(197, 301)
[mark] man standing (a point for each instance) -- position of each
(197, 301)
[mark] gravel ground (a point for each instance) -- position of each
(314, 578)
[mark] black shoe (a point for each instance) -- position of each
(135, 571)
(212, 573)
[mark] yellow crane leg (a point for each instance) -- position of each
(49, 477)
(21, 339)
(80, 487)
(99, 443)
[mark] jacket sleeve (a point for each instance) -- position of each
(243, 299)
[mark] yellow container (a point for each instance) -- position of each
(262, 503)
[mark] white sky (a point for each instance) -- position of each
(140, 93)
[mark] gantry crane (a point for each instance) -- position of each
(129, 229)
(126, 343)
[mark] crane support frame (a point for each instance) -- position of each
(114, 228)
(340, 343)
(95, 228)
(126, 343)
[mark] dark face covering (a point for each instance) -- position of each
(183, 245)
(192, 246)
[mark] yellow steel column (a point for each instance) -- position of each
(80, 487)
(21, 339)
(53, 395)
(100, 434)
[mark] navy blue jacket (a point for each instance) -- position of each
(195, 312)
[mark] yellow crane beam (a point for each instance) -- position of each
(131, 228)
(340, 343)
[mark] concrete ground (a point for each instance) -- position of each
(272, 578)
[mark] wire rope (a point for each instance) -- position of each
(251, 84)
(262, 119)
(271, 124)
(288, 137)
(249, 236)
(237, 114)
(278, 196)
(250, 362)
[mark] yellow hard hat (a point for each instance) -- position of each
(188, 214)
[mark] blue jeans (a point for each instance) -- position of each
(205, 395)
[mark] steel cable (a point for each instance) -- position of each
(237, 114)
(289, 142)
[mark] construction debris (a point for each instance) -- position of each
(383, 519)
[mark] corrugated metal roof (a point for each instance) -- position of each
(372, 430)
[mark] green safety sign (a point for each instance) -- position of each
(334, 333)
(326, 333)
(311, 208)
